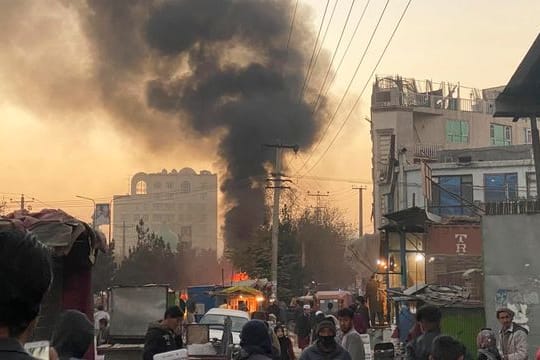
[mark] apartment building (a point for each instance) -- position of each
(178, 205)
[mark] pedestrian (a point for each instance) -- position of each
(361, 316)
(447, 348)
(72, 335)
(351, 339)
(285, 344)
(262, 316)
(103, 332)
(165, 335)
(100, 314)
(486, 342)
(274, 309)
(255, 341)
(512, 338)
(25, 277)
(372, 294)
(303, 327)
(319, 316)
(429, 317)
(406, 323)
(325, 347)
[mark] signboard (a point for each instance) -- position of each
(103, 214)
(461, 240)
(133, 308)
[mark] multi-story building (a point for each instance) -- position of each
(178, 205)
(412, 121)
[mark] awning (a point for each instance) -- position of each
(521, 96)
(240, 290)
(412, 219)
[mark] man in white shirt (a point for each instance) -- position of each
(351, 339)
(100, 314)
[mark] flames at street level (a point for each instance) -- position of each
(170, 69)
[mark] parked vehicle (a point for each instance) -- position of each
(217, 318)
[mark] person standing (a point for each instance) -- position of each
(100, 314)
(303, 327)
(372, 294)
(447, 348)
(22, 289)
(325, 347)
(512, 338)
(429, 317)
(486, 342)
(285, 344)
(351, 339)
(72, 335)
(255, 341)
(164, 336)
(361, 316)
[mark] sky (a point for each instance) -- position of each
(52, 157)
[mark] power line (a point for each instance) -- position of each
(333, 56)
(363, 89)
(348, 86)
(313, 53)
(291, 31)
(344, 55)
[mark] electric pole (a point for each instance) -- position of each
(277, 186)
(22, 202)
(360, 210)
(318, 208)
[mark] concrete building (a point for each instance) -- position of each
(178, 205)
(414, 120)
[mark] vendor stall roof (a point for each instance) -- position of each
(412, 219)
(240, 290)
(521, 96)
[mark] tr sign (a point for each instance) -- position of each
(462, 239)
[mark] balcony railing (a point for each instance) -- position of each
(427, 151)
(512, 207)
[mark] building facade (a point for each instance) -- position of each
(180, 205)
(413, 121)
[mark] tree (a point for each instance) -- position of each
(103, 270)
(150, 262)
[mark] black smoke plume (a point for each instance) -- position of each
(219, 66)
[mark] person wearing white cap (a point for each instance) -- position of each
(303, 327)
(512, 339)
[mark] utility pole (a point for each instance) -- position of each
(318, 208)
(360, 210)
(277, 186)
(123, 240)
(536, 152)
(22, 202)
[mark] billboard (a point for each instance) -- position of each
(102, 215)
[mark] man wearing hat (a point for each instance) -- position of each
(325, 347)
(303, 327)
(512, 338)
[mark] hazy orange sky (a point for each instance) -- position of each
(54, 156)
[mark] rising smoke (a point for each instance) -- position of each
(215, 67)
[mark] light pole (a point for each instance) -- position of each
(94, 214)
(110, 212)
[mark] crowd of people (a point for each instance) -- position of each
(320, 336)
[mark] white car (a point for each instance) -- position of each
(217, 317)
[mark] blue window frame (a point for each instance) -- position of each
(453, 195)
(500, 187)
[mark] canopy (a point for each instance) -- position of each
(244, 290)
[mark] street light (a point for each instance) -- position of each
(94, 214)
(110, 212)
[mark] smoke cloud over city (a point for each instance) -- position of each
(167, 70)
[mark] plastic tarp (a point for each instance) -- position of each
(511, 269)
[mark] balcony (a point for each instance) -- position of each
(426, 152)
(512, 207)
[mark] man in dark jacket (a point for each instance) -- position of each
(447, 348)
(255, 341)
(325, 347)
(25, 276)
(73, 335)
(429, 318)
(303, 327)
(164, 336)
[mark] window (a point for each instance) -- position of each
(170, 185)
(453, 195)
(531, 185)
(185, 233)
(500, 187)
(528, 136)
(457, 131)
(185, 187)
(500, 134)
(140, 188)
